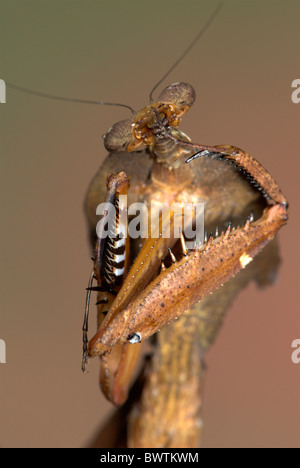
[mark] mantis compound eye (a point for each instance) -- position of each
(118, 136)
(181, 94)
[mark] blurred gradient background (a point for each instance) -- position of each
(116, 50)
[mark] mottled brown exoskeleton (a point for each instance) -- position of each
(166, 289)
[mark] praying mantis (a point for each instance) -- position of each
(157, 288)
(169, 289)
(167, 413)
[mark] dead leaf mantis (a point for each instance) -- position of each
(163, 285)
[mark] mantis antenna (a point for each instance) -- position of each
(103, 103)
(190, 46)
(61, 98)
